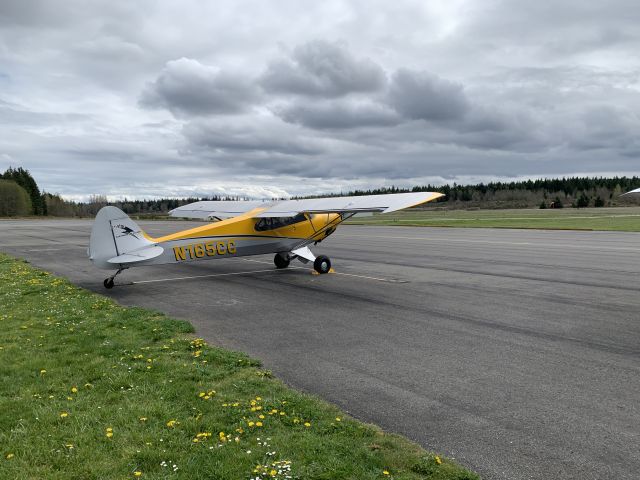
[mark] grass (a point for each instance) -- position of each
(617, 219)
(93, 390)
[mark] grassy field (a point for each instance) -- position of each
(619, 219)
(93, 390)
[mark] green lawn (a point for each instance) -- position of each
(93, 390)
(620, 219)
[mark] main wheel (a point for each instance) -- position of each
(281, 261)
(108, 283)
(322, 264)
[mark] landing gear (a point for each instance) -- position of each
(281, 260)
(108, 282)
(322, 264)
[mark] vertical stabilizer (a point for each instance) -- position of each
(113, 235)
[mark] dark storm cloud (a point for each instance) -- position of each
(218, 136)
(186, 87)
(338, 115)
(322, 69)
(425, 96)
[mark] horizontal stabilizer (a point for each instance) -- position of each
(145, 253)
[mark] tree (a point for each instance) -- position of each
(14, 200)
(598, 202)
(23, 178)
(583, 201)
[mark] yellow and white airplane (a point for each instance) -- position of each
(240, 228)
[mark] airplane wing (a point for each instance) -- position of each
(290, 208)
(637, 191)
(220, 209)
(364, 203)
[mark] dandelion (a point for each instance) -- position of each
(386, 472)
(10, 456)
(43, 371)
(143, 419)
(438, 460)
(307, 424)
(74, 389)
(338, 419)
(172, 423)
(109, 432)
(69, 446)
(64, 414)
(137, 473)
(258, 424)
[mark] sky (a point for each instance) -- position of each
(269, 99)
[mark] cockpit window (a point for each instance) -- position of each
(271, 223)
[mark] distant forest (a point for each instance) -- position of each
(20, 196)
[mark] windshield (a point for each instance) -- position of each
(271, 223)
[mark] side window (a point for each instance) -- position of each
(271, 223)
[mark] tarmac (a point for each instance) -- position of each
(516, 352)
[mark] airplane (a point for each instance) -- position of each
(240, 228)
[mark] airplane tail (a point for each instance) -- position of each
(116, 241)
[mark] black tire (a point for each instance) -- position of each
(322, 264)
(108, 283)
(281, 261)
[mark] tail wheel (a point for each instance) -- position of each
(322, 264)
(281, 261)
(108, 283)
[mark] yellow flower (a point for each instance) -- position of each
(109, 433)
(137, 473)
(10, 456)
(251, 424)
(69, 446)
(386, 472)
(43, 371)
(258, 424)
(172, 423)
(273, 473)
(438, 460)
(338, 419)
(261, 416)
(307, 424)
(64, 414)
(74, 389)
(143, 419)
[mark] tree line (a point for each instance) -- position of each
(576, 192)
(20, 196)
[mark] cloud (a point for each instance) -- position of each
(338, 115)
(186, 87)
(424, 96)
(268, 138)
(322, 69)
